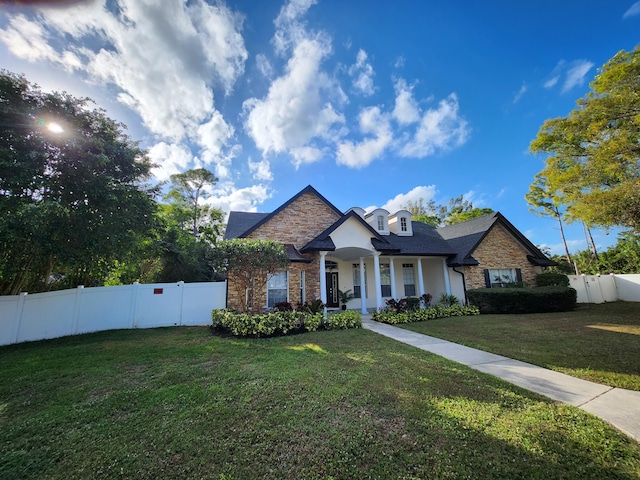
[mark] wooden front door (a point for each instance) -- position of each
(333, 301)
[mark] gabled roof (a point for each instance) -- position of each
(240, 222)
(466, 236)
(322, 241)
(425, 241)
(268, 216)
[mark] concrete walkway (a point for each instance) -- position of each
(619, 407)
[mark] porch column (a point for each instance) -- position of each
(323, 281)
(376, 276)
(447, 281)
(363, 290)
(420, 279)
(392, 273)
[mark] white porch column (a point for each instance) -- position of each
(323, 281)
(376, 276)
(363, 290)
(447, 281)
(420, 279)
(392, 273)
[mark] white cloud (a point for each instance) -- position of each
(363, 73)
(358, 155)
(290, 31)
(520, 93)
(28, 40)
(399, 63)
(295, 110)
(400, 201)
(551, 82)
(162, 57)
(265, 67)
(558, 248)
(213, 137)
(227, 197)
(406, 110)
(441, 128)
(575, 74)
(169, 159)
(261, 170)
(632, 11)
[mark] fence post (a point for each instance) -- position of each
(133, 305)
(76, 310)
(181, 284)
(17, 319)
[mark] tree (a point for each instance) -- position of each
(594, 152)
(247, 262)
(187, 189)
(72, 190)
(546, 203)
(459, 210)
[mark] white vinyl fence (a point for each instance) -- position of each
(38, 316)
(606, 288)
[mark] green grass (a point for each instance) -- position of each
(600, 343)
(181, 403)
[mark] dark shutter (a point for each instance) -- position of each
(518, 275)
(487, 278)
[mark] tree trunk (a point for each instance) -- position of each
(564, 242)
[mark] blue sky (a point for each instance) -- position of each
(373, 103)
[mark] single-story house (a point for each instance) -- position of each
(381, 255)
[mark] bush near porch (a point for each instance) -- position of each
(438, 311)
(281, 322)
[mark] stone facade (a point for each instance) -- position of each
(297, 224)
(500, 249)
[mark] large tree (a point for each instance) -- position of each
(458, 210)
(544, 202)
(594, 152)
(72, 192)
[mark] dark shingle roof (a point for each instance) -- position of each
(240, 222)
(466, 236)
(425, 241)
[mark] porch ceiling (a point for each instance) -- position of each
(348, 254)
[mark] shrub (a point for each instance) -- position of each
(407, 304)
(549, 279)
(447, 300)
(422, 315)
(280, 322)
(283, 307)
(523, 300)
(344, 320)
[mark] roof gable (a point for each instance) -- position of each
(307, 189)
(465, 237)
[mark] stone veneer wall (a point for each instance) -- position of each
(500, 249)
(297, 224)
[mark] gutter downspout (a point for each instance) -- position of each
(464, 285)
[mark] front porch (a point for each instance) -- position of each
(374, 278)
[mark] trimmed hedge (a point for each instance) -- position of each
(523, 300)
(549, 279)
(394, 318)
(280, 323)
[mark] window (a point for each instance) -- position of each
(277, 288)
(385, 279)
(403, 224)
(303, 288)
(409, 280)
(380, 220)
(357, 288)
(499, 277)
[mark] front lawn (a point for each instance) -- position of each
(600, 343)
(181, 403)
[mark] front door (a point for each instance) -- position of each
(333, 300)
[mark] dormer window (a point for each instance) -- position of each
(400, 223)
(380, 222)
